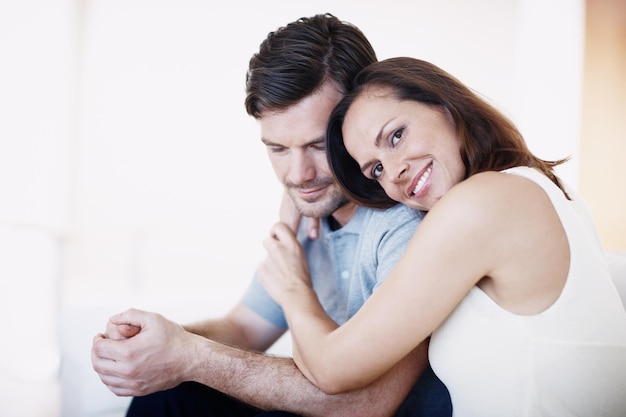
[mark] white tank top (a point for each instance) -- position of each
(569, 360)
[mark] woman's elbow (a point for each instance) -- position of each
(331, 374)
(332, 387)
(333, 382)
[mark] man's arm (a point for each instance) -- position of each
(241, 327)
(273, 383)
(163, 354)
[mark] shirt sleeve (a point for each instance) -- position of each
(400, 224)
(258, 300)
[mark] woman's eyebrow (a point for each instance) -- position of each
(379, 138)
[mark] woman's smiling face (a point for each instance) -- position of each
(409, 147)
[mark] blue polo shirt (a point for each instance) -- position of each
(347, 264)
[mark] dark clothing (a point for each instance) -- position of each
(429, 397)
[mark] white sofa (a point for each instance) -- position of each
(84, 395)
(617, 264)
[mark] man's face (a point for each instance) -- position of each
(295, 141)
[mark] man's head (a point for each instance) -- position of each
(299, 74)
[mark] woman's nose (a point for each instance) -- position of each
(398, 171)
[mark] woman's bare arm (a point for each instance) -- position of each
(464, 239)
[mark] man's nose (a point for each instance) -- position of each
(301, 168)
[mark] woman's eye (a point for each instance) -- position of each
(377, 171)
(397, 135)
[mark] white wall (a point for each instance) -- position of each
(170, 176)
(36, 79)
(130, 173)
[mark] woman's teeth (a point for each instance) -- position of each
(422, 180)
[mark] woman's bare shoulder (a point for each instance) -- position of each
(489, 204)
(491, 189)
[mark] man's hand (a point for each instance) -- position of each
(120, 331)
(141, 353)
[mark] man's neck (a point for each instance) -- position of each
(342, 215)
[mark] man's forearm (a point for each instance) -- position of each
(275, 383)
(220, 330)
(241, 327)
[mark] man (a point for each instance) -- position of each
(213, 368)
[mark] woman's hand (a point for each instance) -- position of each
(285, 276)
(291, 216)
(285, 270)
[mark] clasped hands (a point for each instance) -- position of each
(141, 353)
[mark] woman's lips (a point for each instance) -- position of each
(418, 185)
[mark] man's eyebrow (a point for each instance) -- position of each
(315, 141)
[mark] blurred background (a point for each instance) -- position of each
(131, 175)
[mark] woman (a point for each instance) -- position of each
(506, 271)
